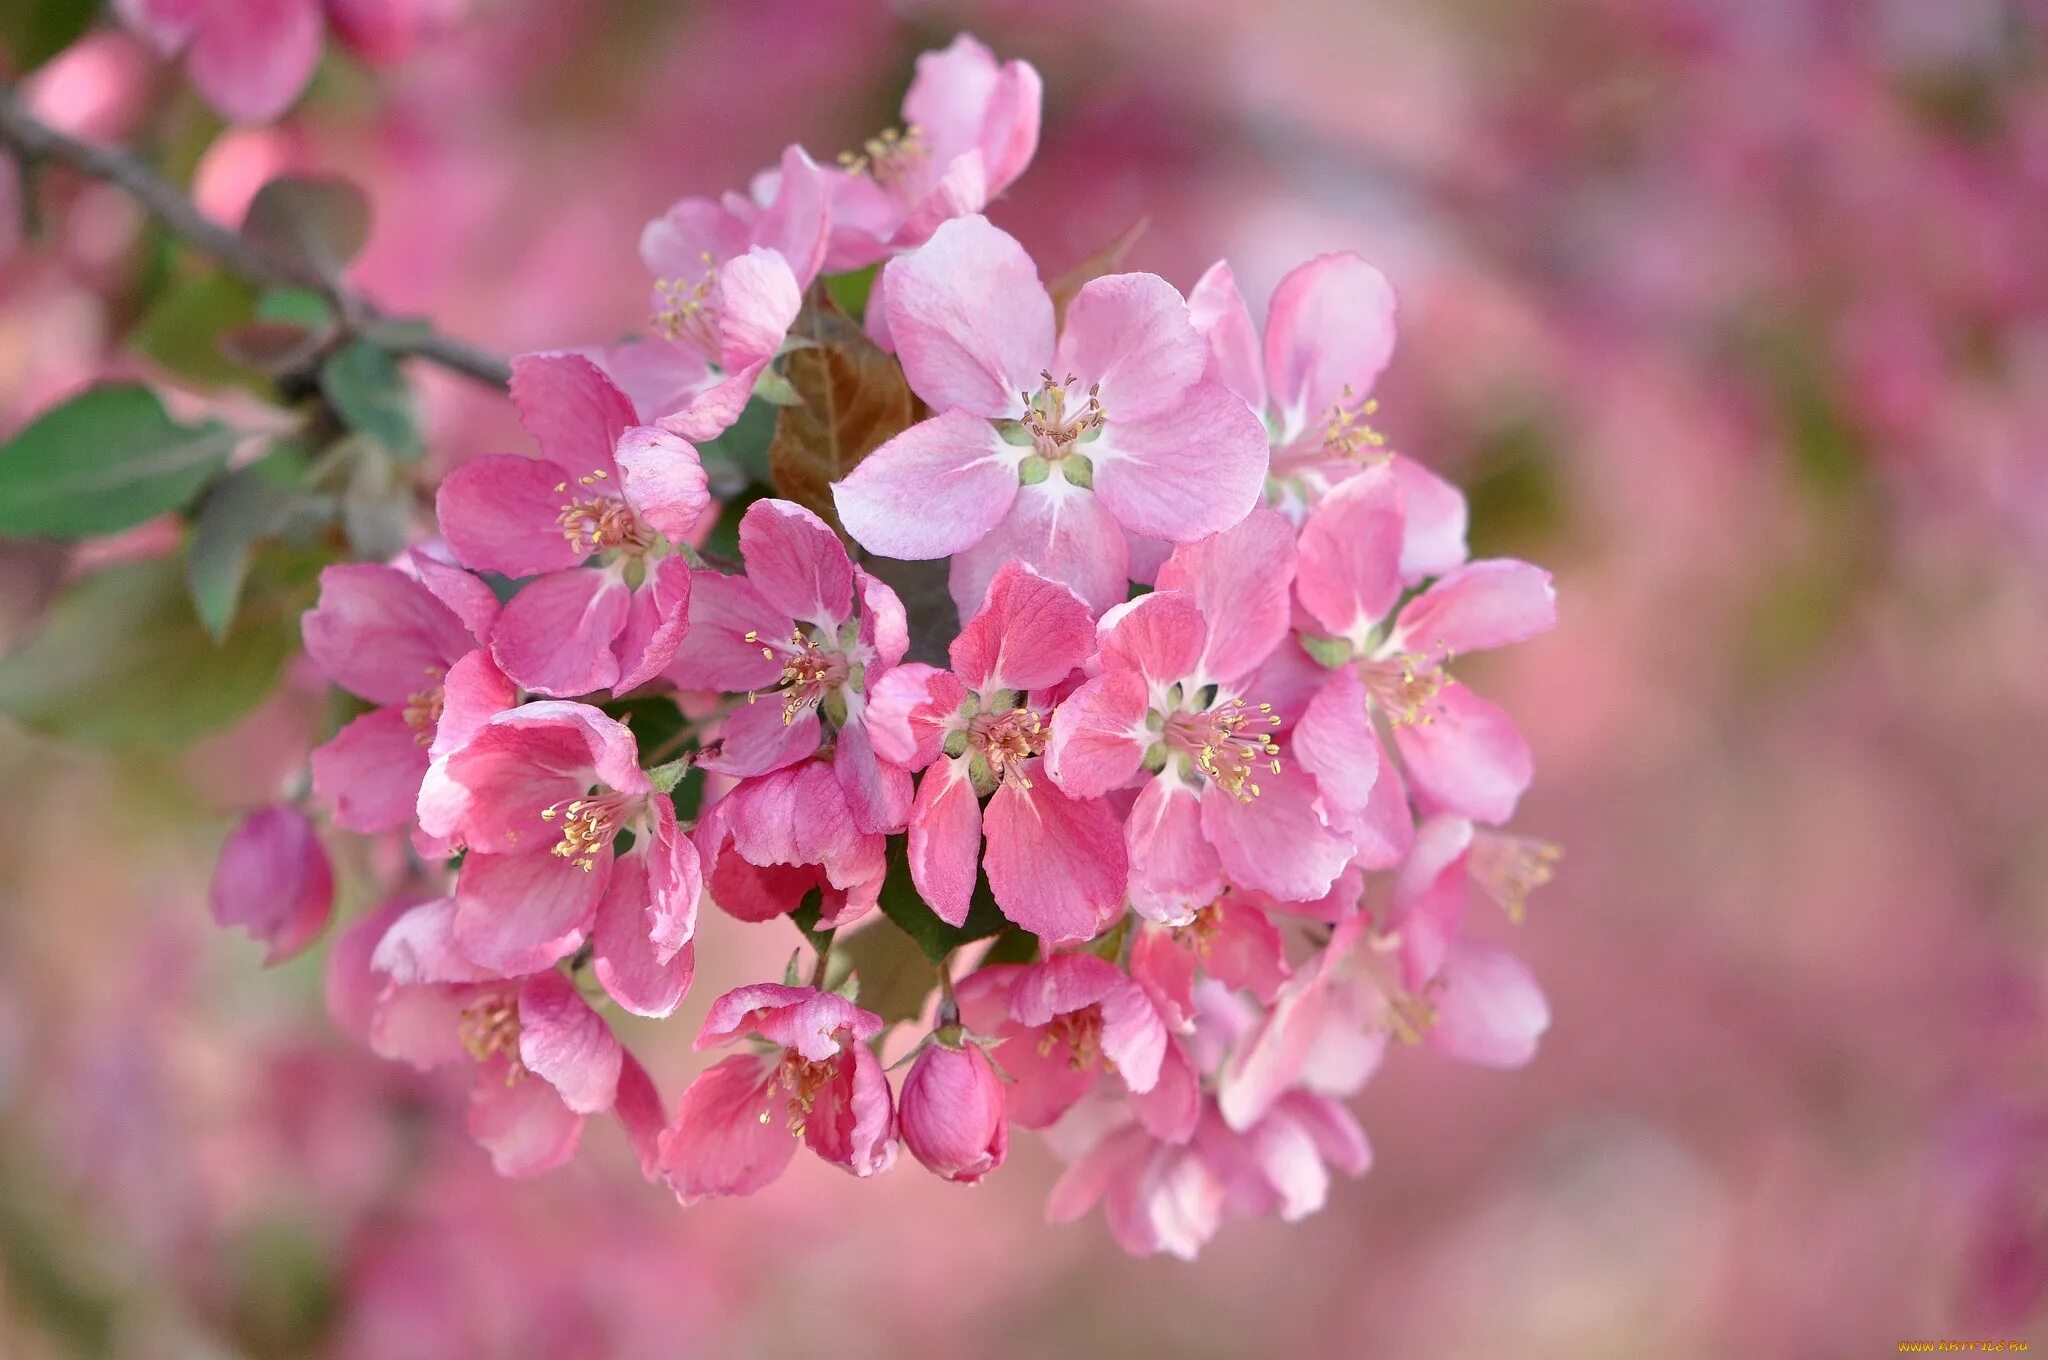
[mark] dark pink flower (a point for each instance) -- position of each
(406, 638)
(604, 488)
(970, 127)
(1230, 940)
(536, 798)
(1055, 863)
(1170, 710)
(1042, 452)
(273, 879)
(810, 634)
(952, 1111)
(815, 1078)
(775, 836)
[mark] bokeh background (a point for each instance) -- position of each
(1734, 312)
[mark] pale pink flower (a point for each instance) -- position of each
(729, 279)
(537, 796)
(1170, 710)
(819, 1081)
(952, 1111)
(274, 880)
(1230, 940)
(1329, 334)
(970, 127)
(249, 58)
(1055, 863)
(604, 488)
(1459, 751)
(1049, 453)
(408, 639)
(812, 634)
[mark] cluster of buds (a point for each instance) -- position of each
(1185, 825)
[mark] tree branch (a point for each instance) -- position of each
(34, 140)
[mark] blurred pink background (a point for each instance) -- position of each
(1734, 312)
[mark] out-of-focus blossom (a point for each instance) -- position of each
(273, 879)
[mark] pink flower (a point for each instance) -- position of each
(1055, 863)
(406, 638)
(1065, 1024)
(729, 279)
(604, 487)
(970, 129)
(1459, 751)
(1229, 940)
(819, 1081)
(1329, 334)
(1046, 453)
(814, 631)
(951, 1111)
(544, 1059)
(1170, 708)
(249, 58)
(537, 796)
(789, 831)
(273, 879)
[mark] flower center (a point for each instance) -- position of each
(489, 1028)
(1228, 742)
(1081, 1032)
(683, 311)
(1199, 934)
(588, 825)
(809, 672)
(423, 713)
(1405, 686)
(598, 521)
(1346, 433)
(1508, 868)
(801, 1079)
(892, 160)
(1007, 739)
(1053, 428)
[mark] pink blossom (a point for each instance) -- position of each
(970, 127)
(776, 836)
(1041, 452)
(952, 1111)
(537, 797)
(1459, 751)
(604, 487)
(819, 1081)
(729, 279)
(273, 879)
(1230, 940)
(810, 633)
(1170, 711)
(1329, 334)
(406, 638)
(249, 58)
(1055, 863)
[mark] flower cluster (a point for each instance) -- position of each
(1181, 819)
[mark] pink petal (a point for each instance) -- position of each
(675, 883)
(251, 60)
(640, 1112)
(380, 634)
(1056, 864)
(729, 1137)
(936, 489)
(1489, 1010)
(1335, 1131)
(945, 840)
(818, 1025)
(1169, 1109)
(349, 986)
(419, 948)
(556, 634)
(852, 1124)
(567, 1044)
(660, 376)
(1099, 738)
(757, 297)
(908, 712)
(1058, 529)
(973, 326)
(657, 618)
(1429, 897)
(663, 480)
(519, 913)
(1174, 870)
(273, 879)
(1349, 572)
(1195, 467)
(797, 563)
(715, 652)
(753, 739)
(573, 411)
(1435, 516)
(1468, 757)
(1166, 970)
(1329, 333)
(467, 597)
(1219, 315)
(1478, 606)
(1130, 334)
(501, 513)
(884, 625)
(475, 692)
(1029, 633)
(421, 1026)
(673, 246)
(1241, 579)
(627, 964)
(1160, 638)
(369, 774)
(1277, 842)
(523, 1124)
(797, 224)
(878, 796)
(1133, 1035)
(1335, 743)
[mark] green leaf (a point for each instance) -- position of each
(1015, 945)
(901, 903)
(740, 455)
(33, 31)
(850, 291)
(300, 307)
(895, 976)
(319, 222)
(184, 330)
(369, 392)
(724, 539)
(104, 462)
(123, 662)
(241, 510)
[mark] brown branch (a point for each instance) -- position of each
(34, 140)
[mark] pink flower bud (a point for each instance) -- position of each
(951, 1113)
(273, 880)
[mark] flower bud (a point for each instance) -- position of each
(273, 880)
(951, 1113)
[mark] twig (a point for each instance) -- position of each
(34, 140)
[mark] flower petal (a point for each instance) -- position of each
(501, 513)
(567, 1044)
(1329, 333)
(556, 635)
(1241, 580)
(1056, 864)
(663, 480)
(1060, 530)
(369, 774)
(1468, 758)
(1218, 312)
(1195, 467)
(797, 563)
(973, 325)
(1349, 572)
(573, 411)
(1029, 633)
(1099, 737)
(945, 840)
(936, 489)
(627, 964)
(1127, 339)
